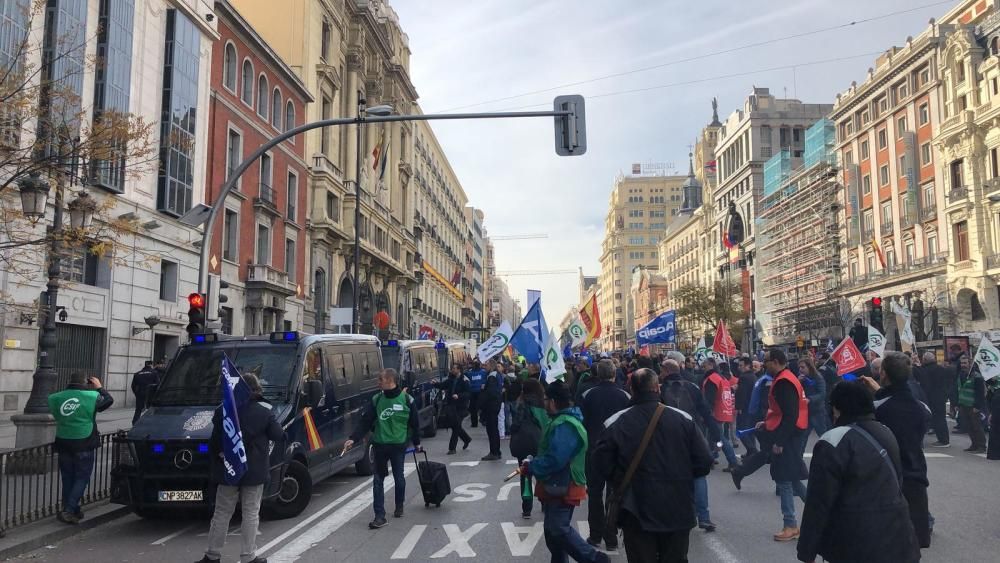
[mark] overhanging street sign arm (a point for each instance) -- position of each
(570, 129)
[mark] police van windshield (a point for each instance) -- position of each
(193, 377)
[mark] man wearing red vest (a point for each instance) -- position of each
(785, 427)
(718, 393)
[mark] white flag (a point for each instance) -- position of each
(552, 360)
(577, 332)
(702, 352)
(903, 316)
(496, 343)
(876, 341)
(988, 359)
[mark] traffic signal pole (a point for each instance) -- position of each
(570, 130)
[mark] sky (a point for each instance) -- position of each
(660, 63)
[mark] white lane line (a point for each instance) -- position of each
(409, 542)
(511, 462)
(316, 515)
(165, 539)
(291, 551)
(929, 455)
(464, 463)
(722, 553)
(982, 455)
(583, 527)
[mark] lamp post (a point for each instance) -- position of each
(363, 111)
(36, 426)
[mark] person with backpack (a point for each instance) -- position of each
(455, 407)
(477, 377)
(490, 403)
(393, 421)
(681, 394)
(529, 423)
(598, 403)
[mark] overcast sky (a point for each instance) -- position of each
(466, 53)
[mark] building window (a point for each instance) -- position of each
(910, 252)
(868, 222)
(925, 114)
(890, 257)
(925, 154)
(180, 105)
(324, 139)
(924, 77)
(266, 178)
(960, 72)
(324, 41)
(333, 207)
(246, 83)
(902, 91)
(290, 117)
(902, 165)
(887, 213)
(293, 195)
(263, 245)
(849, 157)
(928, 195)
(956, 175)
(276, 109)
(900, 127)
(234, 154)
(230, 236)
(864, 150)
(80, 266)
(290, 258)
(994, 163)
(229, 68)
(883, 139)
(932, 245)
(883, 175)
(262, 96)
(168, 280)
(961, 231)
(112, 82)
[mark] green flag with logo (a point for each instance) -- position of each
(552, 360)
(988, 359)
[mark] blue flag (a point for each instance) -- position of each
(529, 338)
(235, 394)
(658, 330)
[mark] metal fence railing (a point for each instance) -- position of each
(31, 486)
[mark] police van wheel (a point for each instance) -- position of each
(365, 465)
(294, 494)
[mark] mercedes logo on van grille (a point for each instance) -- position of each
(183, 459)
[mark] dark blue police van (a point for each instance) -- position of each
(163, 461)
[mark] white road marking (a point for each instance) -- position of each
(522, 547)
(583, 527)
(505, 490)
(464, 463)
(719, 549)
(458, 541)
(980, 455)
(929, 455)
(470, 492)
(409, 542)
(165, 539)
(321, 530)
(316, 515)
(511, 462)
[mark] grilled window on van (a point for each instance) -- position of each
(312, 367)
(374, 364)
(366, 369)
(337, 366)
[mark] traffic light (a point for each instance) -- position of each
(571, 130)
(196, 314)
(875, 316)
(215, 298)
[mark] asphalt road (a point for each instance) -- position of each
(481, 520)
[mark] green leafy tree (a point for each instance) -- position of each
(701, 308)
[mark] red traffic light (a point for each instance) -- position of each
(876, 301)
(196, 300)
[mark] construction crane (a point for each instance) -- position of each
(536, 272)
(517, 237)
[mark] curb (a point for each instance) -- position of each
(48, 537)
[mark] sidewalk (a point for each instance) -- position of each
(107, 421)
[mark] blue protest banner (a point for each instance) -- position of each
(657, 331)
(235, 393)
(529, 337)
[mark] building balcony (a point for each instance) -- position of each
(265, 277)
(958, 194)
(897, 273)
(993, 261)
(886, 229)
(963, 265)
(867, 235)
(416, 302)
(906, 221)
(322, 165)
(928, 212)
(266, 199)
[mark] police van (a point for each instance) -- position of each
(316, 386)
(417, 364)
(453, 353)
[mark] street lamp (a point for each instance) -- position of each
(375, 111)
(34, 196)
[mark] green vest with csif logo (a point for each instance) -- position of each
(74, 411)
(392, 419)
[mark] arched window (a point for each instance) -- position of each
(289, 116)
(276, 108)
(262, 96)
(246, 83)
(229, 67)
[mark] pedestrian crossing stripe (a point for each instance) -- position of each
(930, 455)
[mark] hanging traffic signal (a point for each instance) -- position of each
(875, 316)
(196, 314)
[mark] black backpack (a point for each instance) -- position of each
(525, 432)
(678, 395)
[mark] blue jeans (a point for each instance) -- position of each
(561, 538)
(384, 456)
(788, 490)
(727, 446)
(701, 499)
(75, 470)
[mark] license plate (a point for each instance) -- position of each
(180, 496)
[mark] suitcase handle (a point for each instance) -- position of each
(415, 460)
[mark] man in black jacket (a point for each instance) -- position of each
(258, 427)
(141, 380)
(907, 418)
(490, 402)
(393, 421)
(455, 407)
(657, 509)
(854, 508)
(745, 418)
(598, 403)
(936, 381)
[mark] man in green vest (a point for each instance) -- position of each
(560, 473)
(971, 401)
(75, 411)
(393, 421)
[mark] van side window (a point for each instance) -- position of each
(312, 367)
(364, 368)
(339, 374)
(349, 367)
(374, 363)
(431, 355)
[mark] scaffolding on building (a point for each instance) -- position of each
(798, 248)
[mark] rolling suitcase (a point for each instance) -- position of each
(434, 482)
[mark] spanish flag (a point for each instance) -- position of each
(312, 434)
(591, 318)
(878, 252)
(379, 150)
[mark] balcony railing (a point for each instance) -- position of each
(886, 229)
(266, 193)
(265, 273)
(867, 235)
(958, 194)
(928, 212)
(918, 265)
(993, 261)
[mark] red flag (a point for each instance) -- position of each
(848, 357)
(723, 343)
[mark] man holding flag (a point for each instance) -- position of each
(239, 451)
